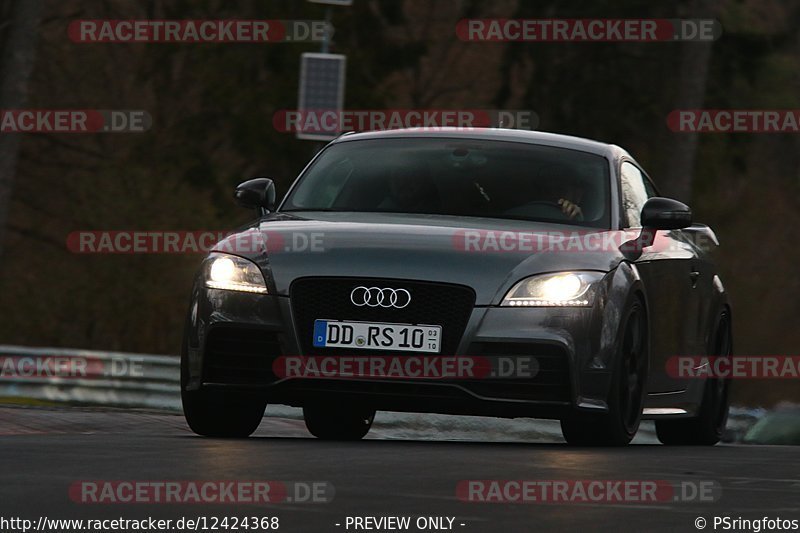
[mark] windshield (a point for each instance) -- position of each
(474, 178)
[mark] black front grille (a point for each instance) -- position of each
(551, 382)
(240, 356)
(440, 304)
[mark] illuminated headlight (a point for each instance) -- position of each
(232, 273)
(564, 289)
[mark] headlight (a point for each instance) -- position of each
(233, 273)
(569, 289)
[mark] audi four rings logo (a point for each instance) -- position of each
(380, 297)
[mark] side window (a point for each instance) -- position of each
(634, 194)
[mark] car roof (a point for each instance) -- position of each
(609, 151)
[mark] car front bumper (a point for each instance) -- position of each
(233, 339)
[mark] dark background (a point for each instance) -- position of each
(212, 108)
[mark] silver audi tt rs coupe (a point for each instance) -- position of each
(483, 272)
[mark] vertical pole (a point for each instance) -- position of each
(327, 37)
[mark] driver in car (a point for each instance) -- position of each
(568, 190)
(571, 207)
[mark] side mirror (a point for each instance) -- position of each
(665, 213)
(257, 193)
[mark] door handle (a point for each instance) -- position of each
(694, 275)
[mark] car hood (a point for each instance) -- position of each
(485, 254)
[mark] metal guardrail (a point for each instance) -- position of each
(114, 379)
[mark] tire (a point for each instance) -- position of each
(619, 424)
(706, 428)
(341, 422)
(220, 412)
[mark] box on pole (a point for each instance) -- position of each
(322, 78)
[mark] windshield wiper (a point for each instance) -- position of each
(313, 209)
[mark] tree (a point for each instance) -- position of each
(681, 149)
(16, 65)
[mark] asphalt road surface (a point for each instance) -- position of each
(46, 453)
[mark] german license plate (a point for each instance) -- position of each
(377, 336)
